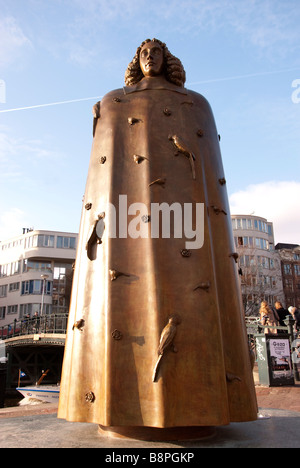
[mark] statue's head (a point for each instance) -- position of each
(153, 58)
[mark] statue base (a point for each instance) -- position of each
(158, 433)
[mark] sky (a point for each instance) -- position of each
(59, 57)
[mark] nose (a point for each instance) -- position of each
(149, 55)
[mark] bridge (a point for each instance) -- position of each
(33, 345)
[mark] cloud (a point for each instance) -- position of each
(81, 56)
(13, 41)
(277, 201)
(16, 150)
(266, 23)
(85, 29)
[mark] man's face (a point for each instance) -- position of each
(151, 59)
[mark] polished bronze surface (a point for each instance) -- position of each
(129, 282)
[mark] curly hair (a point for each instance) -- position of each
(173, 68)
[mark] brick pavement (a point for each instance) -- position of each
(286, 398)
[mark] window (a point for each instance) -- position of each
(31, 241)
(15, 268)
(3, 270)
(36, 266)
(25, 287)
(267, 281)
(25, 309)
(31, 309)
(297, 270)
(59, 272)
(273, 282)
(13, 309)
(35, 287)
(288, 284)
(261, 243)
(65, 242)
(265, 262)
(2, 312)
(3, 291)
(287, 269)
(14, 287)
(45, 240)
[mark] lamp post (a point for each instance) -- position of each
(44, 278)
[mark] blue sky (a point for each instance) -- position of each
(243, 56)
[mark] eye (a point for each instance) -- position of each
(156, 51)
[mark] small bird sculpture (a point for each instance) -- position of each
(79, 325)
(138, 158)
(114, 274)
(161, 182)
(205, 285)
(234, 255)
(95, 237)
(133, 120)
(182, 148)
(232, 377)
(166, 340)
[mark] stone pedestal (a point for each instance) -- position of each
(158, 434)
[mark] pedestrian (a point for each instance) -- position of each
(37, 322)
(282, 313)
(268, 317)
(295, 313)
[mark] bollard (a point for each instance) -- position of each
(289, 322)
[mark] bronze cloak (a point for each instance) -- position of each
(109, 360)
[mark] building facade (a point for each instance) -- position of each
(290, 269)
(36, 274)
(258, 262)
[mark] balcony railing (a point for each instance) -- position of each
(54, 323)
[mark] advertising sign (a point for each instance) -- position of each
(280, 359)
(274, 360)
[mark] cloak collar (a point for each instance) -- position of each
(145, 85)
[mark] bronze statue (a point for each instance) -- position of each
(132, 273)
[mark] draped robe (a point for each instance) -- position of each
(107, 375)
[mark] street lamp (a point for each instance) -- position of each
(44, 278)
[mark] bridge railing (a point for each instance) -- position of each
(54, 323)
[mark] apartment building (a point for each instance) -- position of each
(258, 262)
(36, 274)
(290, 269)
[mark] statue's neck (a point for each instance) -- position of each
(154, 82)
